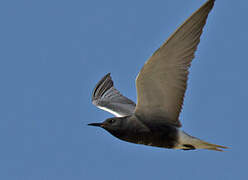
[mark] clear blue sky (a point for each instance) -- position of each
(52, 53)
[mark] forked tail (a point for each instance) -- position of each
(187, 142)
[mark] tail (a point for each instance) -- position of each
(187, 142)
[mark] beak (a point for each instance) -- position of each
(96, 124)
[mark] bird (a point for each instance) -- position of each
(161, 86)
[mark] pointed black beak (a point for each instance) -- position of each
(95, 124)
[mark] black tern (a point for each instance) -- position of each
(161, 86)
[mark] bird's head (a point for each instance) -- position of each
(115, 125)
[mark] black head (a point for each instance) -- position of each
(109, 124)
(117, 126)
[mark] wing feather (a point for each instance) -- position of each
(162, 82)
(106, 97)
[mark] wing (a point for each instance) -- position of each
(162, 82)
(106, 97)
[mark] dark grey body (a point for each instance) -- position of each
(135, 130)
(161, 86)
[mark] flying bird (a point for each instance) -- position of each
(161, 86)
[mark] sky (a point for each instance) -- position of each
(53, 52)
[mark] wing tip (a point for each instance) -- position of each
(102, 86)
(208, 5)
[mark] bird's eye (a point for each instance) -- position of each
(111, 121)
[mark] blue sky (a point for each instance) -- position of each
(52, 53)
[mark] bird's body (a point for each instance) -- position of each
(153, 133)
(135, 130)
(161, 86)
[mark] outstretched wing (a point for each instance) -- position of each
(106, 97)
(162, 82)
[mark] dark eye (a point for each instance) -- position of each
(111, 121)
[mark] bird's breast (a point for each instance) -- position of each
(162, 136)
